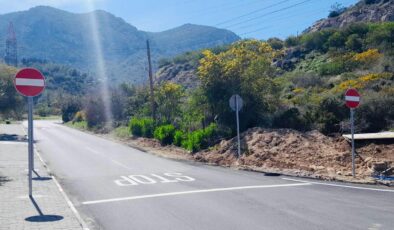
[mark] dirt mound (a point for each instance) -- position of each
(292, 152)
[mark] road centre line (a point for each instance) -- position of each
(192, 192)
(113, 161)
(338, 185)
(121, 165)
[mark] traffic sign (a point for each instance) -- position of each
(29, 82)
(236, 104)
(352, 98)
(233, 102)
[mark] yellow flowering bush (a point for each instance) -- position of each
(367, 57)
(362, 81)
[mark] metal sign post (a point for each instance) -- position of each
(353, 152)
(30, 82)
(352, 98)
(239, 139)
(236, 104)
(31, 146)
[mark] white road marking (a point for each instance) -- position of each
(121, 165)
(29, 82)
(192, 192)
(68, 201)
(93, 151)
(113, 161)
(338, 185)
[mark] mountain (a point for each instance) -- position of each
(363, 11)
(71, 39)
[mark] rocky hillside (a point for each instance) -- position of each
(294, 50)
(183, 74)
(363, 11)
(67, 38)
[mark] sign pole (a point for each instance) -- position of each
(237, 115)
(30, 82)
(352, 98)
(353, 152)
(30, 138)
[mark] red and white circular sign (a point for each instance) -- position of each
(352, 98)
(29, 82)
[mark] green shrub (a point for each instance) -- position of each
(193, 140)
(179, 136)
(332, 68)
(83, 125)
(200, 139)
(7, 122)
(291, 118)
(165, 134)
(330, 112)
(141, 127)
(292, 41)
(43, 111)
(135, 127)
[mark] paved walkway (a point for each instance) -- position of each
(48, 209)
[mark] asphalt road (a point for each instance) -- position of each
(118, 187)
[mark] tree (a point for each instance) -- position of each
(354, 43)
(95, 112)
(11, 103)
(243, 69)
(69, 107)
(336, 40)
(275, 43)
(168, 98)
(336, 10)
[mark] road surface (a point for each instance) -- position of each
(118, 187)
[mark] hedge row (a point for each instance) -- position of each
(168, 134)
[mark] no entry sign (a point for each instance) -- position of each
(352, 98)
(29, 82)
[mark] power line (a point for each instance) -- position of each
(270, 26)
(279, 18)
(250, 13)
(216, 8)
(269, 13)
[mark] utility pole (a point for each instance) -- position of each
(11, 56)
(152, 96)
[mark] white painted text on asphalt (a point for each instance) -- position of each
(132, 180)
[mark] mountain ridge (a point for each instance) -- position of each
(67, 38)
(362, 11)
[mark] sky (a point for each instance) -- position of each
(259, 19)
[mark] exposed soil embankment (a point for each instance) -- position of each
(309, 154)
(288, 152)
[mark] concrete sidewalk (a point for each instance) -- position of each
(48, 209)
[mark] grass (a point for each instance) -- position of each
(121, 132)
(51, 117)
(83, 125)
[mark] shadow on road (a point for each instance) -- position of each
(41, 217)
(272, 174)
(12, 137)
